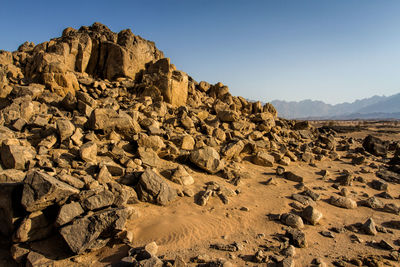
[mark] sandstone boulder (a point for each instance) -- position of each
(108, 120)
(375, 146)
(83, 232)
(152, 188)
(68, 212)
(208, 159)
(172, 84)
(17, 156)
(42, 190)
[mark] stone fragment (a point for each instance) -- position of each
(343, 202)
(182, 177)
(88, 152)
(188, 142)
(42, 190)
(99, 200)
(109, 120)
(369, 227)
(35, 227)
(16, 156)
(296, 237)
(208, 159)
(152, 188)
(375, 145)
(312, 215)
(293, 177)
(68, 212)
(228, 116)
(83, 232)
(233, 150)
(263, 159)
(65, 129)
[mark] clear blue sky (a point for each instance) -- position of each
(330, 50)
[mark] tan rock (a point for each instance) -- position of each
(172, 84)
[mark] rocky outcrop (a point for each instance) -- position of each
(94, 50)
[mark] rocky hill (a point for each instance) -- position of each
(95, 123)
(376, 107)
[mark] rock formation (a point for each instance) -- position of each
(93, 122)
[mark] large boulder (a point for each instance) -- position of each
(17, 156)
(172, 84)
(108, 120)
(83, 233)
(208, 159)
(42, 190)
(152, 188)
(375, 146)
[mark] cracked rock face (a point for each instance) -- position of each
(42, 190)
(83, 232)
(152, 188)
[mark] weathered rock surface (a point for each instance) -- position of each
(375, 145)
(312, 215)
(152, 188)
(343, 202)
(42, 190)
(208, 159)
(83, 232)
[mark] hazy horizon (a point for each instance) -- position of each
(332, 51)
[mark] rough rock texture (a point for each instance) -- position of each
(152, 188)
(94, 50)
(83, 232)
(171, 83)
(375, 146)
(42, 190)
(208, 159)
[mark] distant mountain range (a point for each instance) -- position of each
(376, 107)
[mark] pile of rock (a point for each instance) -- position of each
(94, 121)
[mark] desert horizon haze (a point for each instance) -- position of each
(333, 51)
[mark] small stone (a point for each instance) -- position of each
(68, 212)
(280, 171)
(88, 152)
(181, 176)
(293, 177)
(287, 262)
(263, 159)
(296, 237)
(327, 234)
(379, 185)
(385, 245)
(292, 220)
(151, 248)
(369, 227)
(289, 251)
(244, 209)
(343, 202)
